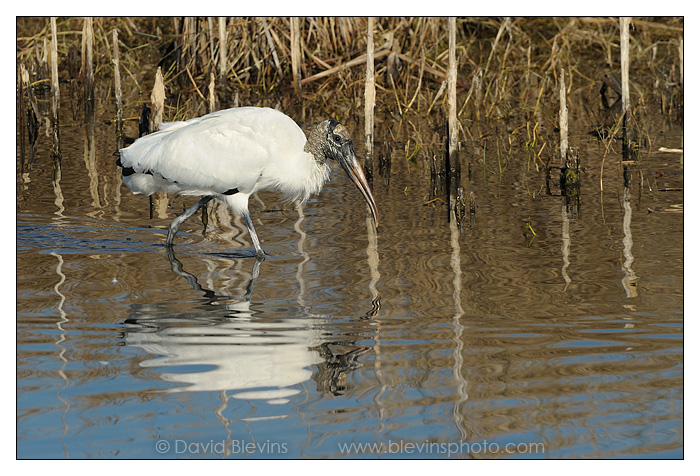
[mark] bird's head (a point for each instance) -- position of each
(331, 140)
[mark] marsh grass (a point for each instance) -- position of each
(507, 74)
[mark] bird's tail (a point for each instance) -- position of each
(126, 171)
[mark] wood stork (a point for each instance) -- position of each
(233, 153)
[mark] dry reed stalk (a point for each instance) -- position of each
(212, 93)
(189, 32)
(32, 104)
(271, 44)
(563, 120)
(420, 80)
(625, 80)
(608, 143)
(118, 90)
(222, 51)
(210, 28)
(429, 69)
(86, 60)
(158, 202)
(453, 146)
(353, 62)
(667, 29)
(370, 93)
(498, 79)
(396, 95)
(22, 84)
(392, 64)
(157, 101)
(452, 88)
(418, 40)
(44, 58)
(56, 95)
(295, 47)
(212, 108)
(528, 69)
(477, 80)
(194, 83)
(279, 45)
(501, 29)
(438, 95)
(625, 62)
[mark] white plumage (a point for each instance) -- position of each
(234, 153)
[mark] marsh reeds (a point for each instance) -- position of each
(211, 93)
(28, 113)
(456, 193)
(370, 93)
(501, 57)
(223, 66)
(119, 123)
(563, 120)
(570, 167)
(625, 85)
(625, 62)
(295, 47)
(157, 101)
(86, 66)
(55, 93)
(159, 201)
(344, 66)
(22, 84)
(273, 50)
(452, 93)
(498, 70)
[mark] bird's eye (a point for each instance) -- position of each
(337, 138)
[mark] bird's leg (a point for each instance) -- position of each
(260, 254)
(175, 224)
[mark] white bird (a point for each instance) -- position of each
(233, 153)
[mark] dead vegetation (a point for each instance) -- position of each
(507, 79)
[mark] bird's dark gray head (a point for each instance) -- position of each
(330, 140)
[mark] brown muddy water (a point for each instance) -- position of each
(419, 340)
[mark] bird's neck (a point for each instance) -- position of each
(313, 143)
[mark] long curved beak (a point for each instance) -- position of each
(348, 160)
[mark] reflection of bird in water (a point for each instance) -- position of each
(334, 370)
(227, 346)
(231, 154)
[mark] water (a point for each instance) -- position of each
(414, 341)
